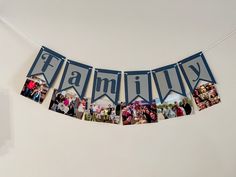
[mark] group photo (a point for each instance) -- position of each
(139, 112)
(103, 110)
(206, 95)
(68, 103)
(174, 106)
(35, 88)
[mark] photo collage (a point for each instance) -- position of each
(138, 112)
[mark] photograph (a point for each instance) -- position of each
(139, 112)
(103, 110)
(206, 95)
(68, 103)
(35, 88)
(175, 105)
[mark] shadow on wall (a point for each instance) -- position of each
(5, 122)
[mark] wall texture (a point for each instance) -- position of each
(126, 35)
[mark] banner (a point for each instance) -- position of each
(42, 74)
(138, 84)
(48, 63)
(106, 83)
(167, 80)
(104, 104)
(195, 69)
(76, 76)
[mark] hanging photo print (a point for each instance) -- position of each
(200, 80)
(206, 95)
(69, 98)
(69, 103)
(175, 105)
(106, 84)
(103, 110)
(138, 85)
(42, 74)
(168, 80)
(139, 112)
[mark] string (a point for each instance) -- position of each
(24, 36)
(18, 32)
(220, 41)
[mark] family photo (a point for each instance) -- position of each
(103, 110)
(35, 89)
(174, 106)
(206, 95)
(139, 112)
(68, 103)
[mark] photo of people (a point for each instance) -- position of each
(206, 95)
(35, 89)
(68, 103)
(103, 110)
(174, 106)
(139, 112)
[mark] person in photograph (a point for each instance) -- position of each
(165, 111)
(187, 107)
(202, 106)
(109, 110)
(127, 116)
(170, 113)
(119, 107)
(208, 104)
(81, 109)
(30, 86)
(154, 117)
(71, 111)
(203, 89)
(113, 115)
(102, 114)
(92, 112)
(37, 94)
(179, 110)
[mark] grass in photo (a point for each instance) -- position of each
(206, 95)
(103, 110)
(35, 88)
(174, 106)
(68, 103)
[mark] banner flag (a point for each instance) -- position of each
(195, 69)
(106, 83)
(138, 85)
(47, 63)
(76, 75)
(167, 80)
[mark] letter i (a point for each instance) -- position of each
(137, 82)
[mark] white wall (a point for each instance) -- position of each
(126, 35)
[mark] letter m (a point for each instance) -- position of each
(106, 83)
